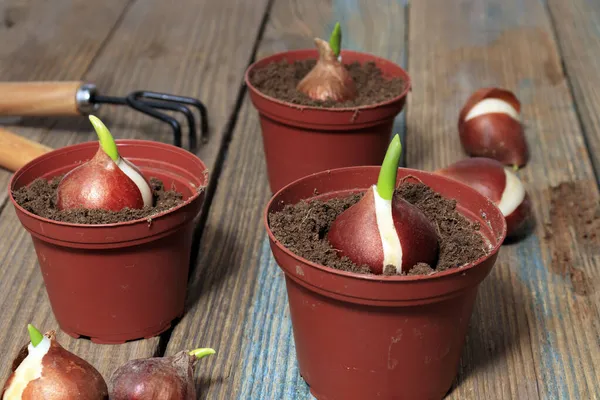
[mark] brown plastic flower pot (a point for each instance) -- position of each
(301, 140)
(381, 337)
(123, 281)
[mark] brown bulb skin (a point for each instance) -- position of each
(494, 135)
(329, 79)
(157, 378)
(483, 174)
(65, 376)
(487, 176)
(98, 184)
(355, 234)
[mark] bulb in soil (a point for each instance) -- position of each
(164, 378)
(107, 181)
(329, 79)
(382, 230)
(498, 183)
(489, 125)
(45, 370)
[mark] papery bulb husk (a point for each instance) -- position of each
(157, 378)
(483, 174)
(98, 184)
(494, 135)
(355, 234)
(65, 376)
(519, 222)
(329, 79)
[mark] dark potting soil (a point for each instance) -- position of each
(302, 228)
(39, 198)
(279, 80)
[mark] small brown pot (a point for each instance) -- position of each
(301, 140)
(368, 337)
(123, 281)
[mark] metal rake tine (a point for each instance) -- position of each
(147, 109)
(184, 110)
(171, 98)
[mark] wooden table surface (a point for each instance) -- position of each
(535, 331)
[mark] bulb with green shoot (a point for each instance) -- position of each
(329, 79)
(165, 378)
(382, 230)
(107, 181)
(46, 370)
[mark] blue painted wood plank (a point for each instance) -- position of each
(553, 275)
(531, 336)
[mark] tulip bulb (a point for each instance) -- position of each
(50, 372)
(107, 181)
(489, 126)
(328, 79)
(164, 378)
(382, 230)
(498, 183)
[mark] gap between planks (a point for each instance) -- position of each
(218, 169)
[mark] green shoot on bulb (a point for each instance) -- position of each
(203, 352)
(35, 335)
(335, 40)
(386, 183)
(107, 142)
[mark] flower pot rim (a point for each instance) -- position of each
(78, 146)
(385, 278)
(308, 51)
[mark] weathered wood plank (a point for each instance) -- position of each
(535, 328)
(45, 41)
(50, 41)
(198, 48)
(239, 305)
(576, 26)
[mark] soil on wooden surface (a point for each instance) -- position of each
(573, 233)
(302, 228)
(39, 198)
(279, 80)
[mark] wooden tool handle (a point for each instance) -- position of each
(16, 151)
(39, 98)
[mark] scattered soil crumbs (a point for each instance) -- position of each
(303, 227)
(39, 198)
(573, 232)
(279, 80)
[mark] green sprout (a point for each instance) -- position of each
(199, 353)
(335, 40)
(35, 335)
(107, 142)
(386, 183)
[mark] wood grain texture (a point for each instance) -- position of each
(536, 323)
(39, 98)
(44, 40)
(198, 48)
(576, 25)
(238, 303)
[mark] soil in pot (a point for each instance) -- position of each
(40, 198)
(280, 80)
(303, 227)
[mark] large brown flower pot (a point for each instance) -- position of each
(123, 281)
(377, 337)
(300, 140)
